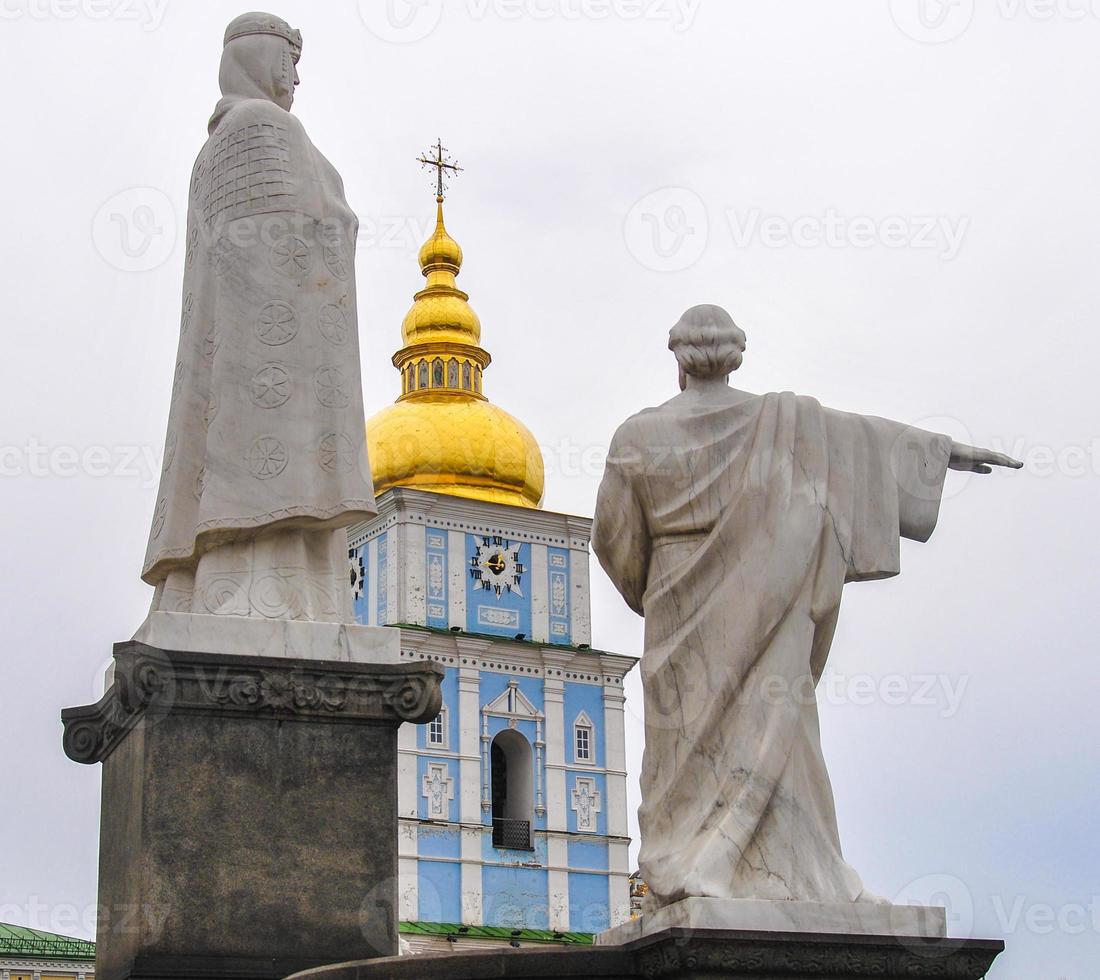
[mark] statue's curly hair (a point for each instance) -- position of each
(707, 343)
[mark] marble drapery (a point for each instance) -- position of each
(732, 523)
(265, 462)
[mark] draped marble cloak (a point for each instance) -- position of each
(265, 460)
(732, 522)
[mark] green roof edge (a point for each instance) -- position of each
(27, 943)
(496, 932)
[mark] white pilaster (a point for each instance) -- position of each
(540, 599)
(554, 699)
(408, 791)
(557, 860)
(618, 854)
(614, 702)
(415, 590)
(408, 889)
(395, 539)
(372, 582)
(471, 876)
(456, 585)
(581, 604)
(469, 742)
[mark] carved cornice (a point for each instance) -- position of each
(150, 683)
(679, 954)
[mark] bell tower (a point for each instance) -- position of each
(512, 802)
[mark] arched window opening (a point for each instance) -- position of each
(512, 796)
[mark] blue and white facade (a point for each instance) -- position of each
(513, 802)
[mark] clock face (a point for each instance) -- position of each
(496, 567)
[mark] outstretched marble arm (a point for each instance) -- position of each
(971, 459)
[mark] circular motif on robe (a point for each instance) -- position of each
(266, 457)
(277, 324)
(211, 412)
(271, 596)
(337, 262)
(271, 385)
(170, 450)
(188, 312)
(221, 256)
(200, 484)
(222, 596)
(331, 385)
(333, 324)
(196, 179)
(159, 516)
(192, 244)
(291, 256)
(336, 453)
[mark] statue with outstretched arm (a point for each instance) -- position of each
(732, 522)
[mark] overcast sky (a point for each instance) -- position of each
(897, 203)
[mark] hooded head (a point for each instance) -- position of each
(259, 61)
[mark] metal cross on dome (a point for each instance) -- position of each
(444, 166)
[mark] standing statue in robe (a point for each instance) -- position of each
(265, 462)
(732, 522)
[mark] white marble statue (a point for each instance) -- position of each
(265, 461)
(732, 522)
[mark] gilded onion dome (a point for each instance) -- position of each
(443, 434)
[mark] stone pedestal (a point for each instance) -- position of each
(680, 954)
(745, 915)
(249, 820)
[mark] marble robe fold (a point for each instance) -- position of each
(732, 525)
(265, 461)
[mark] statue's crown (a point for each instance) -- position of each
(258, 23)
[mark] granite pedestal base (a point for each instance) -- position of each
(846, 918)
(249, 819)
(680, 954)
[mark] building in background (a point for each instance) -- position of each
(513, 802)
(30, 954)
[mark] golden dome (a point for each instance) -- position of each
(443, 434)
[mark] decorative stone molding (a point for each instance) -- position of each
(829, 957)
(587, 804)
(150, 683)
(681, 955)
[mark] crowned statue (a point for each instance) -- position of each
(265, 462)
(732, 522)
